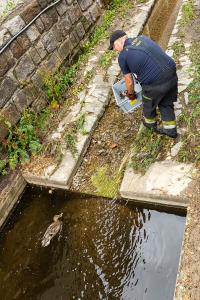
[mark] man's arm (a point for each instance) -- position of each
(129, 83)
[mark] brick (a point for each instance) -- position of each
(4, 37)
(49, 41)
(20, 46)
(24, 98)
(14, 25)
(80, 30)
(7, 88)
(40, 49)
(84, 4)
(10, 113)
(30, 11)
(40, 26)
(65, 49)
(24, 68)
(61, 8)
(6, 62)
(35, 56)
(33, 33)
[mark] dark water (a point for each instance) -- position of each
(106, 250)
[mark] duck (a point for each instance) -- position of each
(52, 230)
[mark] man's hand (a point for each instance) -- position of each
(131, 96)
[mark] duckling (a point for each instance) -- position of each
(52, 230)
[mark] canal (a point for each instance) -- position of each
(106, 250)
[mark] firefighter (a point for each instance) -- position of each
(155, 71)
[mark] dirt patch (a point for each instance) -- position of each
(110, 142)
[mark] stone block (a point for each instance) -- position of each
(3, 131)
(24, 98)
(14, 25)
(53, 62)
(42, 3)
(40, 26)
(69, 2)
(61, 7)
(40, 49)
(49, 18)
(6, 62)
(80, 30)
(4, 37)
(10, 113)
(38, 78)
(75, 13)
(7, 88)
(30, 11)
(24, 68)
(39, 103)
(65, 25)
(33, 33)
(49, 41)
(84, 4)
(56, 30)
(95, 12)
(87, 21)
(74, 38)
(35, 56)
(20, 46)
(65, 49)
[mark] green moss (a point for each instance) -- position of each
(107, 186)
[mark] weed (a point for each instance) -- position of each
(80, 123)
(188, 12)
(9, 6)
(178, 48)
(20, 142)
(69, 138)
(190, 150)
(107, 186)
(106, 58)
(146, 149)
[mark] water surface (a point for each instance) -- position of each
(106, 250)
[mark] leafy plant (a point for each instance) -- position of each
(20, 142)
(70, 142)
(106, 58)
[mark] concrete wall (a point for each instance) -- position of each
(54, 38)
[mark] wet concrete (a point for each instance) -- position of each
(106, 250)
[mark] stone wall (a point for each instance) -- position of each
(54, 38)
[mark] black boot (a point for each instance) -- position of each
(149, 125)
(171, 132)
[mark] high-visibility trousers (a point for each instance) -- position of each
(162, 94)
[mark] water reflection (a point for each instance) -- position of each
(106, 251)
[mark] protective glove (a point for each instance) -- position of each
(131, 96)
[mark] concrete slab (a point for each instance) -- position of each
(163, 183)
